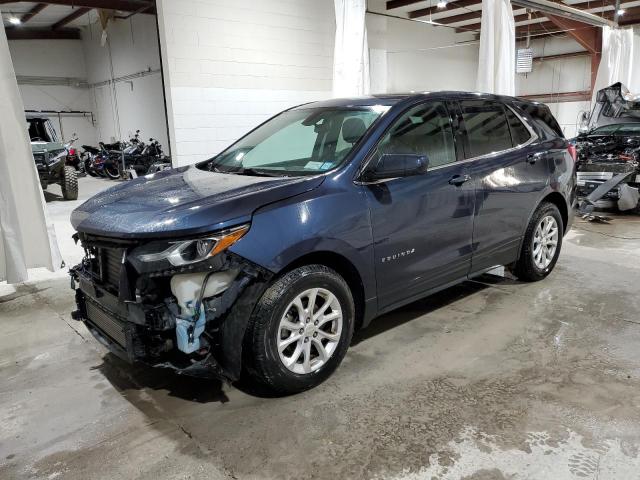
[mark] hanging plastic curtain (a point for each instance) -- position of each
(619, 62)
(497, 62)
(27, 239)
(351, 55)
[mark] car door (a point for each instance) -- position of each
(422, 225)
(509, 169)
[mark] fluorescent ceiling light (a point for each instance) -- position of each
(14, 21)
(442, 4)
(621, 11)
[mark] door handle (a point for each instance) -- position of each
(532, 158)
(458, 180)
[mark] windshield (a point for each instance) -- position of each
(41, 130)
(618, 129)
(298, 142)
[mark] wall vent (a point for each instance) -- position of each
(524, 60)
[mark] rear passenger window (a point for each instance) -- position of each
(486, 126)
(424, 129)
(519, 133)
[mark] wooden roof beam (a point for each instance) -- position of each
(77, 13)
(42, 34)
(391, 4)
(123, 5)
(33, 12)
(424, 12)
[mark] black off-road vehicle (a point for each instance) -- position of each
(51, 157)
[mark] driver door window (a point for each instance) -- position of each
(425, 129)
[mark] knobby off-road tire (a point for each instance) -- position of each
(69, 183)
(285, 312)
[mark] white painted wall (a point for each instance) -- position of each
(60, 58)
(421, 57)
(132, 47)
(567, 114)
(231, 64)
(556, 76)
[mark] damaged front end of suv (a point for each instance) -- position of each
(159, 282)
(174, 304)
(609, 152)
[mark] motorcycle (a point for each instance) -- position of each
(99, 163)
(113, 160)
(138, 156)
(73, 155)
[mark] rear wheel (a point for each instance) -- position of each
(542, 243)
(69, 183)
(112, 171)
(300, 330)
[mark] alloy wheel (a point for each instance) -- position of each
(545, 241)
(309, 331)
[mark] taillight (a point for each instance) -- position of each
(573, 151)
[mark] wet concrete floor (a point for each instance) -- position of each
(492, 379)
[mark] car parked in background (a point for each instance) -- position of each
(50, 156)
(265, 258)
(609, 150)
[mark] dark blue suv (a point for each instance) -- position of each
(264, 259)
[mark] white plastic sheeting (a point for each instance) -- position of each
(27, 239)
(620, 59)
(497, 60)
(351, 54)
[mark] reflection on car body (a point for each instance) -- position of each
(265, 258)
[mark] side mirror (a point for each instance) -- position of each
(394, 165)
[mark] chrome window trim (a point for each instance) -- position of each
(533, 137)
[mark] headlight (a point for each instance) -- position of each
(56, 155)
(192, 251)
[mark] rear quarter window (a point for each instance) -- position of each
(543, 119)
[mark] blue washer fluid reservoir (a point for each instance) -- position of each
(182, 332)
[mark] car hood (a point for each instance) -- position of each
(614, 104)
(39, 147)
(182, 202)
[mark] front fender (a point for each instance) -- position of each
(323, 220)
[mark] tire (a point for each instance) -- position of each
(89, 169)
(263, 361)
(69, 183)
(112, 171)
(529, 267)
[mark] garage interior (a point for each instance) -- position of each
(491, 379)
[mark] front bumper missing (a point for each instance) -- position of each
(138, 332)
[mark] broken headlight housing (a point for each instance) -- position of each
(187, 252)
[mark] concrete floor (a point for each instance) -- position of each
(491, 379)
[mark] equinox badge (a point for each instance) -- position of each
(398, 255)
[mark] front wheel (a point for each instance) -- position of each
(542, 243)
(300, 330)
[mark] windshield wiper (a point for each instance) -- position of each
(255, 172)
